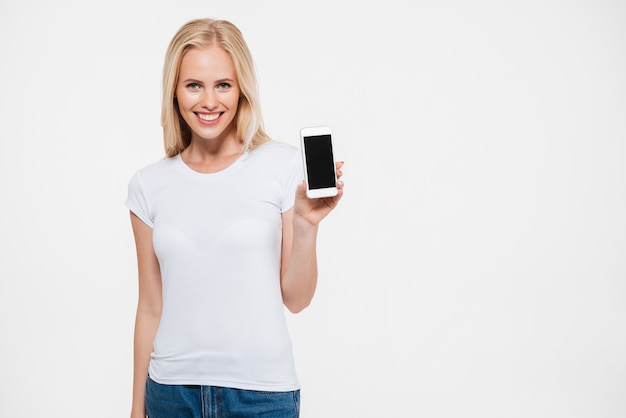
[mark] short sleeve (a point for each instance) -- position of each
(295, 176)
(136, 201)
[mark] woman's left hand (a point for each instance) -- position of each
(314, 210)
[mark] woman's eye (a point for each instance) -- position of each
(193, 86)
(223, 86)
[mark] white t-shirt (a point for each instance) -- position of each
(218, 241)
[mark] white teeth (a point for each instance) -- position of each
(208, 118)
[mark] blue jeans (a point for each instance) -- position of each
(192, 401)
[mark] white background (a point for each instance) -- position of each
(476, 266)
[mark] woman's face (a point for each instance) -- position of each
(208, 93)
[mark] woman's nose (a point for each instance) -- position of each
(209, 99)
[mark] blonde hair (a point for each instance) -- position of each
(199, 33)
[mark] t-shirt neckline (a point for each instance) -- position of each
(182, 165)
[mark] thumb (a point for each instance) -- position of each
(301, 190)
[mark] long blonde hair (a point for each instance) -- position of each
(201, 33)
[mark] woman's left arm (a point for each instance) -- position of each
(298, 278)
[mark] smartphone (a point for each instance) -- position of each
(319, 162)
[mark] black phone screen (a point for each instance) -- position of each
(320, 169)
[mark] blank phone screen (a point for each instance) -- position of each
(319, 161)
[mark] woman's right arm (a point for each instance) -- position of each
(148, 311)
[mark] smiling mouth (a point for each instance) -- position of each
(208, 117)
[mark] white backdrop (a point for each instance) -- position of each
(475, 268)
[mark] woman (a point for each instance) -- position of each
(225, 236)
